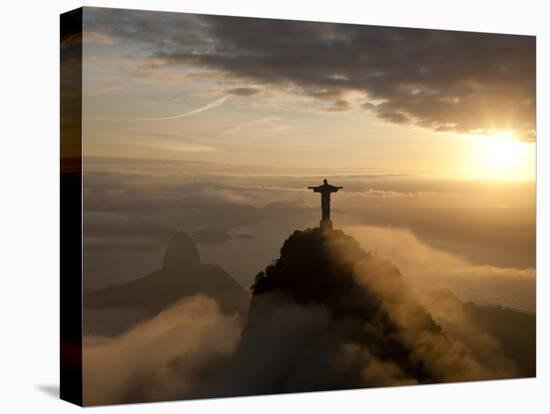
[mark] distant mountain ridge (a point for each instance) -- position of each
(182, 274)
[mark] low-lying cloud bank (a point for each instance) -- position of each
(164, 358)
(426, 268)
(485, 230)
(326, 315)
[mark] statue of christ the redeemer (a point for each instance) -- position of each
(325, 189)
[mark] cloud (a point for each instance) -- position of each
(460, 357)
(254, 123)
(460, 324)
(392, 116)
(210, 105)
(465, 218)
(163, 358)
(339, 105)
(462, 218)
(97, 38)
(427, 268)
(442, 80)
(244, 92)
(173, 146)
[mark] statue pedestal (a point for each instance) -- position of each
(326, 224)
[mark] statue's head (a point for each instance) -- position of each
(325, 181)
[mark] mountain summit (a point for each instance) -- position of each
(329, 269)
(328, 315)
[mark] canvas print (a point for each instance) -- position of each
(259, 206)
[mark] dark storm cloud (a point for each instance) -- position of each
(443, 80)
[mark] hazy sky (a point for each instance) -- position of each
(315, 96)
(218, 125)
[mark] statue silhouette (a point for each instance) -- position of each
(325, 189)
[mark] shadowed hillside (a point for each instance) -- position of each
(328, 315)
(319, 267)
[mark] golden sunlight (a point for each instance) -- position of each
(501, 157)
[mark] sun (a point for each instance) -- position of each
(501, 156)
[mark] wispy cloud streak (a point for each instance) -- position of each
(252, 123)
(206, 107)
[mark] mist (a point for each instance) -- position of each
(166, 357)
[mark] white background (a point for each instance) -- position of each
(29, 219)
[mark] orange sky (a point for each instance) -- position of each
(170, 92)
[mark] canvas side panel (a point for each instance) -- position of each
(71, 207)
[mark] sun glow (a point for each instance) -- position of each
(501, 157)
